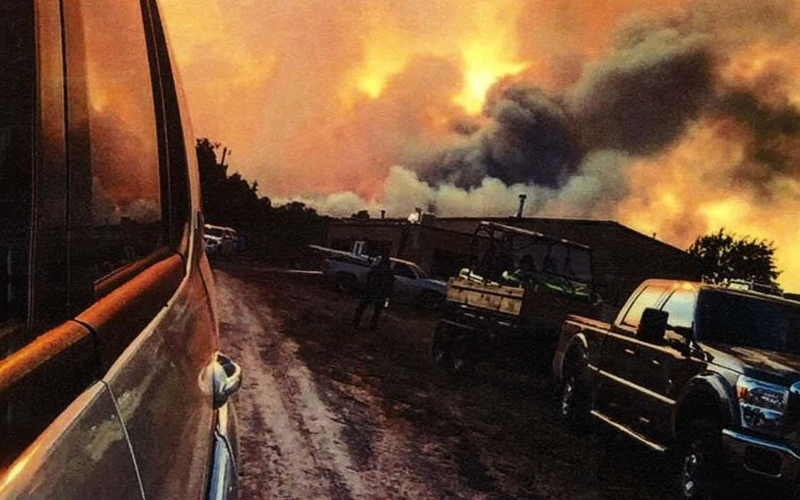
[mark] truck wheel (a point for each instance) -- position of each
(461, 356)
(440, 347)
(701, 461)
(345, 282)
(574, 404)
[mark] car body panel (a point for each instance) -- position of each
(162, 384)
(139, 418)
(84, 453)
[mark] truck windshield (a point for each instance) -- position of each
(739, 320)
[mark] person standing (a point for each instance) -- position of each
(377, 290)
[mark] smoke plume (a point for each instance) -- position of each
(676, 119)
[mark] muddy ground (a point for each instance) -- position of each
(326, 412)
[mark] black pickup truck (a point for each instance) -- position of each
(709, 372)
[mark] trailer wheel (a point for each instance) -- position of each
(345, 282)
(440, 346)
(462, 358)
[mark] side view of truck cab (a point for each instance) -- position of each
(111, 380)
(712, 372)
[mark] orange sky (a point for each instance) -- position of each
(322, 99)
(287, 84)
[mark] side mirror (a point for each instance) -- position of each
(653, 326)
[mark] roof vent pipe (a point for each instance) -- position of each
(521, 210)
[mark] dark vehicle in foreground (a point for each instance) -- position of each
(710, 372)
(511, 302)
(111, 381)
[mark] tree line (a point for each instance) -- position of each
(280, 234)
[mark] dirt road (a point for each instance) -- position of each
(329, 413)
(295, 443)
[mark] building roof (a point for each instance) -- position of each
(435, 224)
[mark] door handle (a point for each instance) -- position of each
(631, 352)
(227, 378)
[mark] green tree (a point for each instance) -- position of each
(724, 256)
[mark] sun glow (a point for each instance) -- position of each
(484, 65)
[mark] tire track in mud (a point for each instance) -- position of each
(297, 442)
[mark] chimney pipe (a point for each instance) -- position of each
(522, 198)
(383, 214)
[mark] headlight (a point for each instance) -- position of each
(762, 404)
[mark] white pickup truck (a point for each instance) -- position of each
(412, 285)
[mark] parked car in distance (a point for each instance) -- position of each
(412, 285)
(709, 371)
(220, 240)
(112, 385)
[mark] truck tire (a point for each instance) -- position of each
(346, 282)
(573, 404)
(701, 461)
(462, 359)
(440, 346)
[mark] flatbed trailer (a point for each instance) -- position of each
(512, 312)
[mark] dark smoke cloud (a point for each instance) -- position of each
(529, 139)
(639, 99)
(775, 131)
(636, 101)
(533, 141)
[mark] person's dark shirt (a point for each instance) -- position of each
(380, 279)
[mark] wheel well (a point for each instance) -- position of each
(699, 404)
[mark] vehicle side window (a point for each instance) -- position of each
(647, 298)
(681, 307)
(119, 214)
(404, 271)
(17, 108)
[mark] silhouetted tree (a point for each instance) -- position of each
(361, 215)
(280, 234)
(228, 200)
(723, 256)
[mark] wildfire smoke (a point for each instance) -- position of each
(675, 120)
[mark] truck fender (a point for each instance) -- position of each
(705, 393)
